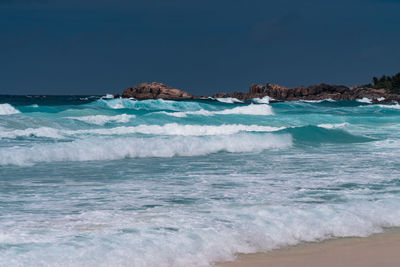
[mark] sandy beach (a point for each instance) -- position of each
(378, 250)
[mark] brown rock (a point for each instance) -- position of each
(155, 90)
(313, 92)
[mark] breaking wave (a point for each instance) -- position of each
(7, 109)
(32, 132)
(365, 100)
(120, 148)
(166, 129)
(103, 119)
(328, 133)
(228, 100)
(318, 101)
(260, 110)
(264, 100)
(157, 104)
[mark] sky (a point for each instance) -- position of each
(202, 47)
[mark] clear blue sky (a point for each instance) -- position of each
(94, 47)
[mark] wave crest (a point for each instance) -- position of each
(103, 119)
(228, 100)
(258, 110)
(7, 109)
(120, 148)
(150, 104)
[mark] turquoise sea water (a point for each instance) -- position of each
(86, 181)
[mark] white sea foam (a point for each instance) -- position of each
(364, 100)
(178, 129)
(333, 125)
(166, 129)
(181, 236)
(150, 104)
(318, 101)
(396, 106)
(229, 100)
(7, 109)
(32, 132)
(103, 119)
(120, 148)
(108, 96)
(380, 99)
(262, 110)
(264, 100)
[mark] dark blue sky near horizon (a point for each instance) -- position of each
(98, 47)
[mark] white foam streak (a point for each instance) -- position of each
(333, 125)
(260, 110)
(166, 129)
(365, 100)
(182, 130)
(229, 100)
(264, 100)
(396, 106)
(103, 119)
(32, 132)
(120, 148)
(318, 101)
(7, 109)
(108, 96)
(150, 104)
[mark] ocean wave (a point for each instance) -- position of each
(260, 110)
(7, 109)
(318, 101)
(333, 125)
(32, 132)
(183, 130)
(365, 100)
(181, 236)
(108, 96)
(228, 100)
(395, 106)
(264, 100)
(150, 104)
(325, 133)
(103, 119)
(166, 129)
(120, 148)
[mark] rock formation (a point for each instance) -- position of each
(155, 90)
(314, 92)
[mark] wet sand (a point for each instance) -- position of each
(379, 250)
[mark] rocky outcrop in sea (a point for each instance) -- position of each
(322, 91)
(155, 90)
(313, 92)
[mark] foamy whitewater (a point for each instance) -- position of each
(96, 181)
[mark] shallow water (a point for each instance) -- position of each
(116, 182)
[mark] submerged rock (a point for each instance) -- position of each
(155, 90)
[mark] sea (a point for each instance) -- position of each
(97, 181)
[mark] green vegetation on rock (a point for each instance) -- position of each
(392, 83)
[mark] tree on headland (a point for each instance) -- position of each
(391, 83)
